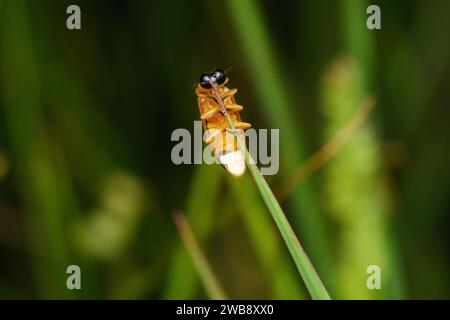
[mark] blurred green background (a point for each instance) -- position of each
(86, 120)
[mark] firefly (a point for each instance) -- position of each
(214, 100)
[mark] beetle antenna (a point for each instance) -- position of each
(237, 65)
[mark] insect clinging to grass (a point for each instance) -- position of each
(215, 99)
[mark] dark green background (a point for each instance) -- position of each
(85, 125)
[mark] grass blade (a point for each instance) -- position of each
(39, 169)
(326, 152)
(304, 265)
(270, 251)
(276, 105)
(205, 272)
(182, 280)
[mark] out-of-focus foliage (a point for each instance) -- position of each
(85, 140)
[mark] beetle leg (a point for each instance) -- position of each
(210, 113)
(212, 134)
(233, 107)
(228, 93)
(242, 125)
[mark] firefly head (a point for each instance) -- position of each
(217, 76)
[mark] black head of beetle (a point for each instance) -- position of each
(217, 76)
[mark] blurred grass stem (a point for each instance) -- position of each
(205, 272)
(326, 152)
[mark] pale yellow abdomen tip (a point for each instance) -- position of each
(234, 162)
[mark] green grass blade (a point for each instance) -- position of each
(279, 271)
(40, 173)
(182, 281)
(359, 44)
(271, 87)
(205, 272)
(304, 265)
